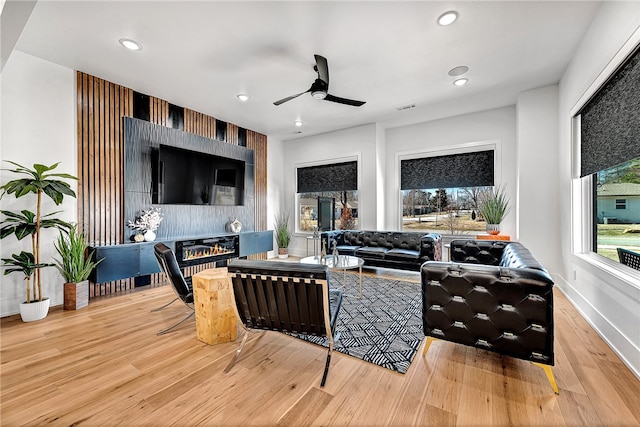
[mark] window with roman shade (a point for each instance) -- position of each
(610, 120)
(442, 193)
(473, 169)
(335, 182)
(610, 160)
(330, 177)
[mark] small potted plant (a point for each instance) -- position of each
(40, 181)
(494, 206)
(283, 235)
(75, 264)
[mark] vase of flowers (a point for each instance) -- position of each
(146, 224)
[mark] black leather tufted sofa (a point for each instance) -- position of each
(391, 249)
(494, 295)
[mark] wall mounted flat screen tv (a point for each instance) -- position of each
(186, 177)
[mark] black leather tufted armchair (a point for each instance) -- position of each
(495, 296)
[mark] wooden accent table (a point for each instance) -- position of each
(213, 299)
(493, 237)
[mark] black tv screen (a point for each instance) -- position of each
(186, 177)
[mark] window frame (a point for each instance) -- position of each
(328, 161)
(444, 150)
(583, 197)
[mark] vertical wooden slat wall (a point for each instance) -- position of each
(101, 106)
(258, 142)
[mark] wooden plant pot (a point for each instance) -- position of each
(76, 295)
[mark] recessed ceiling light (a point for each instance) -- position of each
(460, 82)
(130, 44)
(458, 71)
(298, 123)
(448, 18)
(242, 97)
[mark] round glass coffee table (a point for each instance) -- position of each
(343, 262)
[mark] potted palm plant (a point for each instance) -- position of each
(283, 234)
(38, 181)
(494, 206)
(75, 264)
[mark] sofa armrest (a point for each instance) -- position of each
(487, 252)
(431, 247)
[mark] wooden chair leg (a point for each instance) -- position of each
(427, 344)
(550, 377)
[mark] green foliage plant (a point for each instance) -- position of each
(75, 264)
(494, 205)
(283, 234)
(24, 263)
(39, 180)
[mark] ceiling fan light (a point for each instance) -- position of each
(319, 94)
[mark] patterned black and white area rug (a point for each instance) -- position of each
(384, 327)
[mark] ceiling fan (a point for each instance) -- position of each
(320, 88)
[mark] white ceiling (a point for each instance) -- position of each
(390, 54)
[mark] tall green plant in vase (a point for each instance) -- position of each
(38, 181)
(283, 234)
(494, 206)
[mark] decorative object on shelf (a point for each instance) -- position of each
(235, 226)
(316, 232)
(138, 238)
(39, 180)
(494, 206)
(75, 264)
(283, 234)
(147, 223)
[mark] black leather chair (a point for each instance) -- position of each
(495, 296)
(285, 297)
(629, 258)
(181, 285)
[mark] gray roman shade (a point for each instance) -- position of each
(455, 170)
(331, 177)
(610, 121)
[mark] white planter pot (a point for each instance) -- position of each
(35, 310)
(283, 253)
(149, 236)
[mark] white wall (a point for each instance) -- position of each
(38, 126)
(491, 126)
(537, 171)
(359, 142)
(610, 301)
(275, 185)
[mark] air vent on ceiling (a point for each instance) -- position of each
(406, 107)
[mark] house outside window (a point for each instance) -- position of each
(617, 207)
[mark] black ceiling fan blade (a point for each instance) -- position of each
(344, 100)
(289, 98)
(322, 68)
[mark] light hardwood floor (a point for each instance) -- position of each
(103, 365)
